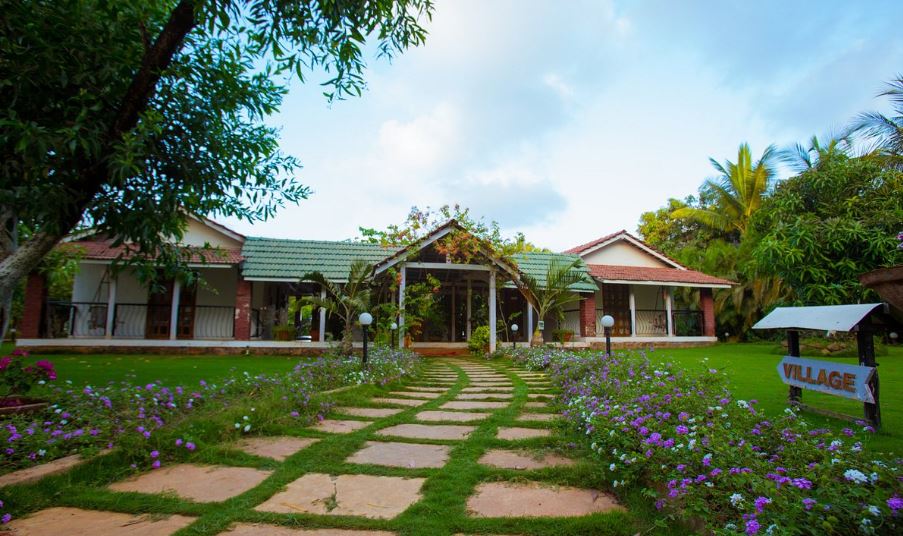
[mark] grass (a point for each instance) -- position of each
(752, 372)
(440, 511)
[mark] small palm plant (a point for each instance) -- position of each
(555, 292)
(346, 300)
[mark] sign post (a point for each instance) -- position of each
(865, 342)
(793, 348)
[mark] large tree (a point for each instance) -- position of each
(126, 116)
(885, 132)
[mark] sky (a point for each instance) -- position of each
(566, 120)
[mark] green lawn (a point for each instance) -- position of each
(752, 371)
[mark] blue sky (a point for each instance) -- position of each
(567, 120)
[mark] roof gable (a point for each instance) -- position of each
(623, 236)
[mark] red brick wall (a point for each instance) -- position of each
(588, 316)
(35, 296)
(242, 326)
(708, 311)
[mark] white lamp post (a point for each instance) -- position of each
(365, 319)
(607, 322)
(514, 338)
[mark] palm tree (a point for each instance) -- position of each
(886, 133)
(345, 300)
(555, 292)
(738, 192)
(802, 159)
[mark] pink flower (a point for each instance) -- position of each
(5, 361)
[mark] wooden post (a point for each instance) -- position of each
(793, 350)
(865, 343)
(111, 308)
(322, 334)
(492, 311)
(529, 323)
(401, 287)
(454, 292)
(469, 307)
(174, 309)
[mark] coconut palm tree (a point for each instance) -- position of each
(346, 300)
(885, 133)
(737, 193)
(555, 292)
(801, 159)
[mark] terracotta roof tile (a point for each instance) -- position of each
(104, 250)
(583, 247)
(643, 273)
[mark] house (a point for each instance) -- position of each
(244, 287)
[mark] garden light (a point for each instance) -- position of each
(514, 331)
(607, 322)
(365, 319)
(393, 327)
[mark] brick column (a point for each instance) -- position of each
(708, 311)
(35, 296)
(588, 316)
(242, 327)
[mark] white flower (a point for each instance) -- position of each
(874, 510)
(736, 499)
(743, 404)
(611, 467)
(873, 477)
(854, 475)
(770, 529)
(247, 428)
(237, 426)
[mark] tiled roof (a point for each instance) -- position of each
(273, 258)
(580, 249)
(535, 264)
(643, 273)
(104, 250)
(583, 247)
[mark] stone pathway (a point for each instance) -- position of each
(372, 460)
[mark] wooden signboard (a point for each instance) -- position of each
(839, 379)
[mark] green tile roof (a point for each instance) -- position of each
(273, 258)
(284, 259)
(536, 265)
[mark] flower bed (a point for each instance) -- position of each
(708, 456)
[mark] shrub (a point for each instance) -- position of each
(479, 341)
(708, 456)
(17, 378)
(562, 335)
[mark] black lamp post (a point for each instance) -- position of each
(394, 328)
(607, 322)
(514, 336)
(365, 319)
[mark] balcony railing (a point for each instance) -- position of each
(138, 320)
(75, 319)
(651, 323)
(687, 323)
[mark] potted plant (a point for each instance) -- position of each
(284, 332)
(552, 293)
(17, 378)
(563, 335)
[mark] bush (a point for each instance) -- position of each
(479, 341)
(16, 378)
(562, 335)
(708, 456)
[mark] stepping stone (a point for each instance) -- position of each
(335, 426)
(537, 417)
(277, 448)
(398, 401)
(540, 396)
(33, 474)
(491, 385)
(428, 431)
(414, 394)
(465, 404)
(251, 529)
(200, 483)
(532, 499)
(376, 413)
(379, 497)
(427, 389)
(456, 416)
(78, 522)
(515, 433)
(410, 455)
(486, 389)
(484, 396)
(536, 405)
(512, 459)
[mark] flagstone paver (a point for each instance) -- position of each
(426, 389)
(509, 499)
(484, 396)
(411, 455)
(379, 497)
(78, 522)
(536, 405)
(416, 394)
(486, 389)
(376, 413)
(336, 426)
(514, 433)
(458, 416)
(428, 431)
(537, 417)
(399, 401)
(200, 483)
(278, 448)
(253, 529)
(512, 459)
(467, 404)
(33, 474)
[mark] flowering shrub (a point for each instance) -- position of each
(17, 378)
(707, 455)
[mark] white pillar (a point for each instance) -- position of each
(174, 311)
(469, 307)
(322, 334)
(492, 311)
(111, 308)
(668, 307)
(632, 313)
(529, 323)
(454, 328)
(401, 287)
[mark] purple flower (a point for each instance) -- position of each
(155, 454)
(189, 445)
(156, 464)
(752, 527)
(760, 503)
(179, 442)
(5, 519)
(895, 503)
(681, 430)
(808, 503)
